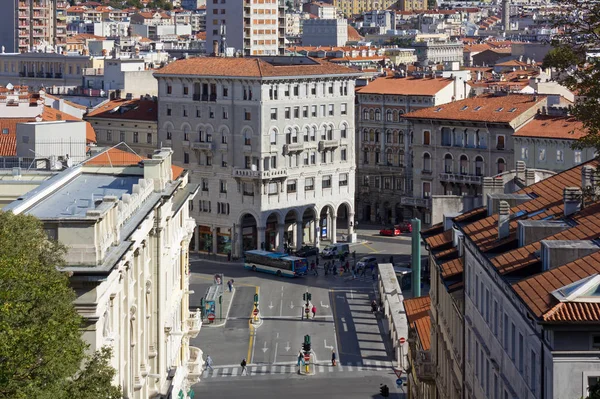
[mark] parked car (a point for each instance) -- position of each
(405, 227)
(335, 250)
(307, 250)
(366, 261)
(391, 231)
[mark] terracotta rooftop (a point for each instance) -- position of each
(117, 157)
(485, 108)
(438, 240)
(51, 114)
(452, 268)
(417, 313)
(8, 135)
(353, 34)
(141, 110)
(546, 196)
(552, 127)
(251, 67)
(408, 86)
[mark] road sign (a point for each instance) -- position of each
(306, 357)
(402, 340)
(399, 382)
(255, 312)
(210, 317)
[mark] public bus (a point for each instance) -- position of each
(277, 263)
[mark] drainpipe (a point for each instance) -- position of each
(416, 257)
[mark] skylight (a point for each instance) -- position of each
(499, 109)
(512, 110)
(464, 107)
(438, 109)
(477, 108)
(585, 290)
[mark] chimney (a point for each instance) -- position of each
(529, 177)
(572, 200)
(503, 220)
(491, 186)
(521, 170)
(215, 48)
(587, 176)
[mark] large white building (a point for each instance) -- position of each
(271, 142)
(252, 27)
(127, 228)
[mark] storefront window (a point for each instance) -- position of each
(204, 239)
(223, 241)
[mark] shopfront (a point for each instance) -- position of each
(204, 238)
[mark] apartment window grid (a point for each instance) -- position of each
(222, 208)
(205, 185)
(343, 179)
(309, 184)
(326, 181)
(222, 186)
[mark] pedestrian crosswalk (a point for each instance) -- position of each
(292, 368)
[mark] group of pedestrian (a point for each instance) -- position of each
(209, 362)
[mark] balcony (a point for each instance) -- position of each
(223, 147)
(196, 363)
(418, 202)
(424, 366)
(196, 97)
(327, 144)
(459, 178)
(247, 148)
(194, 323)
(294, 147)
(259, 174)
(201, 146)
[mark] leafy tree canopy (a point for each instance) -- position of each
(41, 350)
(580, 26)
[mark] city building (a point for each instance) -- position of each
(271, 142)
(351, 8)
(438, 51)
(38, 70)
(420, 371)
(546, 142)
(28, 24)
(255, 28)
(134, 122)
(325, 32)
(384, 19)
(131, 272)
(457, 144)
(192, 4)
(401, 56)
(320, 9)
(383, 140)
(410, 5)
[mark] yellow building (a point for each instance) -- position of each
(356, 7)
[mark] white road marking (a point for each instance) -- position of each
(215, 372)
(264, 348)
(350, 367)
(271, 305)
(287, 346)
(324, 306)
(234, 371)
(205, 374)
(264, 370)
(339, 366)
(321, 369)
(275, 355)
(325, 345)
(379, 365)
(224, 372)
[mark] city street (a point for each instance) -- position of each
(344, 323)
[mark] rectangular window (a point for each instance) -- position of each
(366, 157)
(327, 181)
(287, 91)
(208, 161)
(560, 156)
(122, 136)
(305, 111)
(185, 90)
(168, 111)
(273, 162)
(323, 109)
(224, 160)
(248, 189)
(313, 110)
(169, 89)
(205, 185)
(344, 109)
(287, 113)
(513, 342)
(542, 154)
(313, 90)
(225, 113)
(426, 190)
(324, 157)
(505, 332)
(500, 142)
(521, 354)
(273, 188)
(313, 158)
(487, 305)
(309, 184)
(532, 376)
(149, 138)
(225, 91)
(186, 157)
(343, 154)
(330, 109)
(222, 186)
(469, 348)
(273, 114)
(211, 113)
(577, 156)
(247, 115)
(291, 186)
(343, 179)
(296, 90)
(198, 113)
(108, 134)
(495, 318)
(296, 112)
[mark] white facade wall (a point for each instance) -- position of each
(550, 154)
(244, 161)
(325, 32)
(45, 139)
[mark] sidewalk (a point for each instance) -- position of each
(227, 301)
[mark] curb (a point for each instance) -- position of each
(222, 322)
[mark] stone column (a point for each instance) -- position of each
(317, 232)
(350, 224)
(214, 240)
(373, 211)
(197, 238)
(261, 237)
(238, 240)
(280, 237)
(299, 234)
(333, 228)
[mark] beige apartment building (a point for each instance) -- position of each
(270, 140)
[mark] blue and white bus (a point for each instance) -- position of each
(276, 263)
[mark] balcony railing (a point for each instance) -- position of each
(460, 178)
(424, 366)
(293, 147)
(201, 146)
(324, 144)
(260, 174)
(196, 363)
(194, 323)
(419, 202)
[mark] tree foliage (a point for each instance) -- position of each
(594, 391)
(40, 339)
(579, 23)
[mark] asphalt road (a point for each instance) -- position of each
(344, 323)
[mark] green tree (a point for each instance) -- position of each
(579, 22)
(41, 350)
(594, 391)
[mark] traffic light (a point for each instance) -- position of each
(255, 298)
(385, 391)
(307, 296)
(306, 344)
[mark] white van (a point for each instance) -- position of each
(335, 250)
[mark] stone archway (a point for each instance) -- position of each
(248, 233)
(327, 224)
(271, 237)
(308, 227)
(293, 234)
(345, 221)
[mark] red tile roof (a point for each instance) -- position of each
(8, 140)
(250, 67)
(417, 313)
(51, 114)
(117, 157)
(552, 127)
(409, 86)
(440, 239)
(141, 110)
(353, 34)
(452, 268)
(486, 108)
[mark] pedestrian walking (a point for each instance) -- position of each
(230, 285)
(300, 358)
(347, 266)
(243, 364)
(208, 363)
(354, 256)
(364, 271)
(392, 259)
(333, 357)
(314, 311)
(353, 271)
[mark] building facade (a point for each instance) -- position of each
(26, 24)
(351, 8)
(254, 27)
(131, 274)
(456, 145)
(271, 142)
(384, 148)
(325, 32)
(437, 52)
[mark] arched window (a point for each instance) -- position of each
(389, 137)
(395, 116)
(365, 114)
(448, 163)
(273, 136)
(306, 134)
(401, 137)
(479, 166)
(426, 162)
(288, 136)
(365, 136)
(295, 133)
(329, 132)
(501, 165)
(464, 165)
(247, 137)
(389, 116)
(377, 136)
(344, 131)
(377, 115)
(186, 134)
(371, 114)
(372, 135)
(426, 137)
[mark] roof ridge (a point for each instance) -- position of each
(552, 311)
